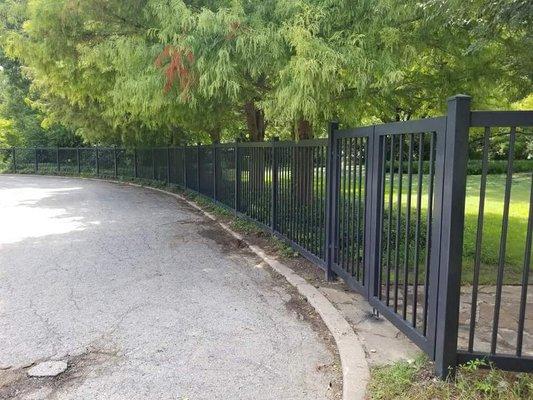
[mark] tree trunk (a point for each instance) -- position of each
(303, 164)
(305, 130)
(214, 135)
(255, 121)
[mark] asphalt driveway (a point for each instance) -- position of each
(145, 299)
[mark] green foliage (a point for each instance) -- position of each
(161, 72)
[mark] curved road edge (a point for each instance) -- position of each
(355, 369)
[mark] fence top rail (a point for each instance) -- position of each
(48, 148)
(225, 145)
(501, 118)
(254, 144)
(413, 126)
(303, 143)
(354, 132)
(287, 143)
(391, 128)
(284, 143)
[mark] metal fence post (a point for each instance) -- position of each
(274, 191)
(331, 187)
(184, 162)
(154, 176)
(451, 239)
(168, 165)
(237, 196)
(57, 159)
(115, 168)
(14, 160)
(97, 161)
(36, 160)
(215, 169)
(373, 201)
(198, 167)
(78, 160)
(135, 162)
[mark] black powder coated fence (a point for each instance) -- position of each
(382, 207)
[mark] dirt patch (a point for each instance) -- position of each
(16, 384)
(227, 243)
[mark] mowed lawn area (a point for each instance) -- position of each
(492, 223)
(492, 226)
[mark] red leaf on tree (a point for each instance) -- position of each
(177, 65)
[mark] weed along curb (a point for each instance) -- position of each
(355, 370)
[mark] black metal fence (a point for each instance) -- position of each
(382, 207)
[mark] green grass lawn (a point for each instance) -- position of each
(492, 223)
(492, 226)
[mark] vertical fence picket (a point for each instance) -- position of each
(135, 163)
(214, 161)
(331, 188)
(198, 167)
(168, 165)
(154, 172)
(237, 177)
(373, 212)
(97, 162)
(274, 186)
(115, 165)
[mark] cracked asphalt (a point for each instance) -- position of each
(145, 299)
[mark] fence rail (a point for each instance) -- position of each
(387, 208)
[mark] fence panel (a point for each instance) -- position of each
(496, 321)
(350, 190)
(87, 161)
(191, 168)
(160, 164)
(106, 161)
(125, 160)
(6, 160)
(145, 163)
(25, 160)
(301, 196)
(205, 172)
(68, 160)
(225, 174)
(176, 166)
(255, 161)
(407, 268)
(383, 200)
(47, 160)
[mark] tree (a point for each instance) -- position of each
(22, 124)
(165, 71)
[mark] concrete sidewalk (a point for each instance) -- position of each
(145, 299)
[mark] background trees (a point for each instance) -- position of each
(168, 71)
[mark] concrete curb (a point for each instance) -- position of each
(355, 370)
